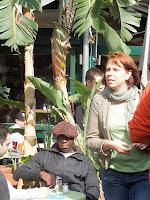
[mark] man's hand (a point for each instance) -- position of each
(50, 179)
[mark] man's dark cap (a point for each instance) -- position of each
(65, 128)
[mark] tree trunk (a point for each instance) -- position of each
(59, 47)
(29, 92)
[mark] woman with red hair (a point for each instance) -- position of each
(125, 166)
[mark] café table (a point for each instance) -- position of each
(70, 195)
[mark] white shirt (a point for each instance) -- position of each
(27, 194)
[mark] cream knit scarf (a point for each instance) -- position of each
(130, 96)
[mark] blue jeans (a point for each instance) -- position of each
(125, 186)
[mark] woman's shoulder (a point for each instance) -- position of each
(100, 95)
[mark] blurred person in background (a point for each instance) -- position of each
(93, 76)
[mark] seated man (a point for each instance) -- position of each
(65, 160)
(7, 191)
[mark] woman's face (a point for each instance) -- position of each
(4, 146)
(116, 76)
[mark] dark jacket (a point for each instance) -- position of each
(78, 114)
(77, 170)
(4, 192)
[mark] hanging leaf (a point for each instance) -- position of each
(48, 90)
(32, 4)
(113, 41)
(97, 14)
(83, 92)
(128, 18)
(15, 28)
(81, 88)
(88, 14)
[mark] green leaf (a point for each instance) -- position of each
(97, 13)
(32, 4)
(74, 98)
(129, 19)
(90, 14)
(83, 91)
(48, 90)
(98, 24)
(17, 104)
(19, 31)
(113, 41)
(25, 159)
(81, 88)
(127, 3)
(82, 16)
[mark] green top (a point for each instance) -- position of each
(135, 160)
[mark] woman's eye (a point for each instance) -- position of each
(108, 69)
(116, 69)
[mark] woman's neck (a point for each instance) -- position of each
(123, 88)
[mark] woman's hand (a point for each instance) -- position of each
(50, 179)
(116, 145)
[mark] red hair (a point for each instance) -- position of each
(119, 58)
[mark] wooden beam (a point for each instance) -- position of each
(47, 18)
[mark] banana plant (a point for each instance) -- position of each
(60, 45)
(18, 28)
(55, 96)
(115, 20)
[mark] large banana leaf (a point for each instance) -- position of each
(83, 91)
(94, 13)
(128, 19)
(81, 88)
(113, 41)
(48, 90)
(15, 28)
(86, 16)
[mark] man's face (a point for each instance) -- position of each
(91, 83)
(65, 143)
(4, 146)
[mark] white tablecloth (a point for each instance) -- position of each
(71, 195)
